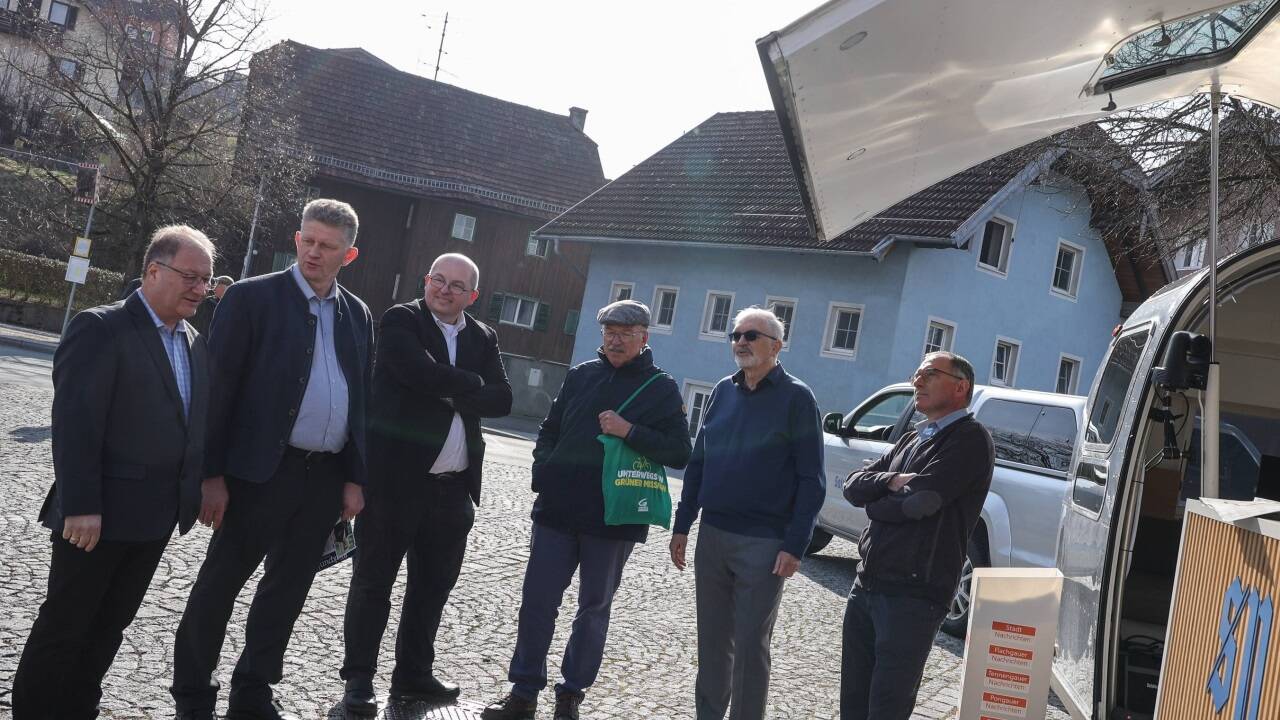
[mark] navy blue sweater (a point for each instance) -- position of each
(756, 468)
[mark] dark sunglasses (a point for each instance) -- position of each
(750, 335)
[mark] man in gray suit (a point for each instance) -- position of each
(130, 384)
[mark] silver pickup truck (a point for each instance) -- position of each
(1034, 433)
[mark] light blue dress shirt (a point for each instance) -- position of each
(928, 428)
(176, 347)
(322, 418)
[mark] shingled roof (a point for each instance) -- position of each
(365, 121)
(729, 181)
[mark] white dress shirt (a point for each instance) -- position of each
(453, 454)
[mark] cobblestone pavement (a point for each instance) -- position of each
(650, 661)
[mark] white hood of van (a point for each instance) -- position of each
(879, 99)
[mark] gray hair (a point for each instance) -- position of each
(459, 257)
(624, 312)
(959, 364)
(224, 280)
(333, 213)
(170, 239)
(755, 312)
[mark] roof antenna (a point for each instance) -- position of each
(1111, 104)
(1164, 41)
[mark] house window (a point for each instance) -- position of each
(1004, 366)
(282, 260)
(148, 35)
(1190, 256)
(715, 315)
(464, 227)
(785, 310)
(131, 31)
(664, 308)
(519, 311)
(67, 68)
(993, 252)
(63, 15)
(939, 335)
(696, 397)
(1068, 375)
(571, 322)
(538, 247)
(841, 337)
(1066, 269)
(621, 291)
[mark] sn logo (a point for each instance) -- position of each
(1247, 617)
(643, 505)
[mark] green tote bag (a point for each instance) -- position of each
(635, 487)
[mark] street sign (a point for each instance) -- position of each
(82, 247)
(77, 269)
(87, 183)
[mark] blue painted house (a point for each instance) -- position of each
(1004, 264)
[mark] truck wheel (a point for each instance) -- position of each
(820, 539)
(956, 623)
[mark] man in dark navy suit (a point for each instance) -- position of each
(130, 393)
(291, 355)
(439, 371)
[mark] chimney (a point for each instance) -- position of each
(578, 117)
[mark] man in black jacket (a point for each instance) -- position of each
(439, 371)
(130, 394)
(569, 532)
(923, 499)
(292, 358)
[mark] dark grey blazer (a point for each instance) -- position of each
(122, 446)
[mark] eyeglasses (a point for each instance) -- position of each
(440, 283)
(931, 373)
(188, 279)
(750, 335)
(615, 335)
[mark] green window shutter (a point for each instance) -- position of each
(495, 307)
(542, 318)
(571, 322)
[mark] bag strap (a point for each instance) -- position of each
(627, 402)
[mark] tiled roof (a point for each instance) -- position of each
(367, 122)
(729, 181)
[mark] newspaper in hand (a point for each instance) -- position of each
(340, 544)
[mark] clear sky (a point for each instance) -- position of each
(645, 70)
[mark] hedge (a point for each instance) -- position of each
(37, 279)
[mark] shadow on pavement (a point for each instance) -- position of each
(410, 711)
(832, 572)
(30, 434)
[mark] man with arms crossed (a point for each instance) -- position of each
(439, 371)
(130, 393)
(756, 474)
(923, 499)
(291, 354)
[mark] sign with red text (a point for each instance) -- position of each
(1008, 654)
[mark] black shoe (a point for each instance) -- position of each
(195, 715)
(359, 698)
(567, 702)
(426, 689)
(511, 707)
(272, 711)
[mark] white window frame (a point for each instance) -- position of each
(62, 62)
(467, 231)
(1189, 256)
(704, 331)
(656, 308)
(537, 247)
(828, 334)
(1076, 271)
(1012, 380)
(1073, 387)
(769, 301)
(533, 317)
(935, 320)
(619, 285)
(1006, 253)
(699, 386)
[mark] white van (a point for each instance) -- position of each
(1035, 435)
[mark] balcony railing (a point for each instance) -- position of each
(17, 23)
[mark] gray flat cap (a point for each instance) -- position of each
(624, 312)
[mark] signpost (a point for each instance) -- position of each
(87, 176)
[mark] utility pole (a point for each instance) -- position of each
(440, 52)
(253, 229)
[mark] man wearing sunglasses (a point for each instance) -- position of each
(130, 393)
(756, 475)
(439, 371)
(923, 499)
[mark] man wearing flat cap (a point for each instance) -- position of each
(569, 532)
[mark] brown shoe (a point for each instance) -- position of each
(567, 702)
(511, 707)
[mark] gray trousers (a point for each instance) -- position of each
(738, 597)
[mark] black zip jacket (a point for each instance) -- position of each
(902, 552)
(568, 460)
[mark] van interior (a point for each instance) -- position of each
(1150, 525)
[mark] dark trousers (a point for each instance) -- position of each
(428, 519)
(286, 520)
(554, 555)
(887, 639)
(92, 598)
